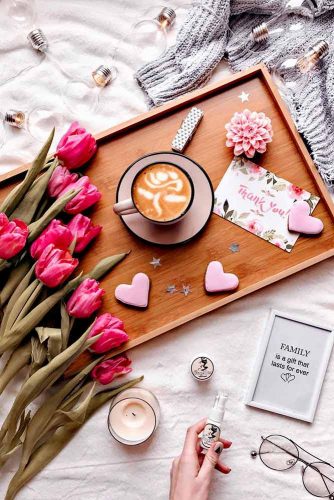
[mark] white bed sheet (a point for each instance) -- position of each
(93, 466)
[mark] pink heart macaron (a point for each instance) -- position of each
(300, 220)
(136, 294)
(216, 280)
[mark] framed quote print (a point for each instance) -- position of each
(290, 366)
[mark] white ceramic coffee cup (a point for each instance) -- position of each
(128, 206)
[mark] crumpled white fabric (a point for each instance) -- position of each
(94, 466)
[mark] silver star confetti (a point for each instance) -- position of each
(234, 247)
(244, 96)
(185, 290)
(171, 289)
(155, 262)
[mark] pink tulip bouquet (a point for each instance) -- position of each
(43, 233)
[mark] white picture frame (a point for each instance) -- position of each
(305, 347)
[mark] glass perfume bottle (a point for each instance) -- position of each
(294, 72)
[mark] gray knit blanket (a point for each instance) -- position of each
(219, 28)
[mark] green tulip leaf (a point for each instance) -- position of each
(50, 449)
(36, 384)
(17, 360)
(16, 195)
(35, 228)
(21, 286)
(28, 206)
(54, 340)
(38, 355)
(14, 279)
(40, 421)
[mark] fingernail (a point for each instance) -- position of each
(218, 448)
(229, 443)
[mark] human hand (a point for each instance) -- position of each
(192, 472)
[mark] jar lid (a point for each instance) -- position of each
(202, 368)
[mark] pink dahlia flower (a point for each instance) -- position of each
(248, 132)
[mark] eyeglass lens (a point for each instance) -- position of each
(318, 479)
(278, 452)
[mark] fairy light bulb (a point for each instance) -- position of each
(293, 17)
(104, 74)
(22, 13)
(42, 118)
(149, 36)
(80, 97)
(23, 16)
(35, 122)
(38, 40)
(286, 20)
(15, 118)
(294, 72)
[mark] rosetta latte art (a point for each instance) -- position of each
(162, 192)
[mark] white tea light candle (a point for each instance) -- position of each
(134, 415)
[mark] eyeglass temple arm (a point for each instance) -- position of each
(298, 446)
(283, 449)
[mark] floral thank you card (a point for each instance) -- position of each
(257, 200)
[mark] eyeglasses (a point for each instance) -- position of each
(281, 453)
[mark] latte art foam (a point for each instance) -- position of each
(162, 192)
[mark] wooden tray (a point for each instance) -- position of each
(258, 263)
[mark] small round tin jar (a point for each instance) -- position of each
(202, 368)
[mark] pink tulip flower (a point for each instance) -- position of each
(86, 299)
(76, 147)
(112, 330)
(60, 179)
(83, 231)
(54, 266)
(89, 194)
(57, 233)
(108, 370)
(13, 236)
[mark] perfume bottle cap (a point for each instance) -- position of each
(218, 410)
(202, 368)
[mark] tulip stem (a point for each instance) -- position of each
(16, 195)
